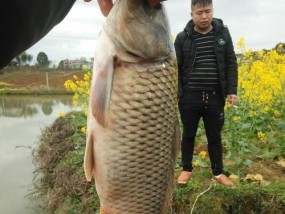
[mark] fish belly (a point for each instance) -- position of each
(135, 161)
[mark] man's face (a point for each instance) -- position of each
(202, 16)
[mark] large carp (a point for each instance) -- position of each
(132, 121)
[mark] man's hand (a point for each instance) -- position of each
(106, 5)
(232, 98)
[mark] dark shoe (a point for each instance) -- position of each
(224, 180)
(184, 177)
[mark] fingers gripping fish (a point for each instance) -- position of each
(132, 121)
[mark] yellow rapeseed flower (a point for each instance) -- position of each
(236, 118)
(241, 44)
(75, 77)
(252, 113)
(61, 114)
(84, 67)
(262, 80)
(262, 136)
(195, 163)
(202, 154)
(248, 55)
(83, 129)
(81, 89)
(260, 54)
(277, 113)
(266, 109)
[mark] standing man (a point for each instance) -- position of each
(207, 68)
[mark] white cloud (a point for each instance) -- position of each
(260, 23)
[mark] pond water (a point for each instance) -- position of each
(22, 118)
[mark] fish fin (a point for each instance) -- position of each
(89, 161)
(101, 90)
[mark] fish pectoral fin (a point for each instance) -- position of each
(101, 91)
(89, 161)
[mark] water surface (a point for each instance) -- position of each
(22, 118)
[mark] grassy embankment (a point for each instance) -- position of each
(61, 186)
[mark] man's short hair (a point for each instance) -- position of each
(200, 2)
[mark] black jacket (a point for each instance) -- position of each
(226, 59)
(24, 22)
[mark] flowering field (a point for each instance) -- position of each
(255, 129)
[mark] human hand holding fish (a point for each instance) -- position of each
(232, 98)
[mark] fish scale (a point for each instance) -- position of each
(140, 139)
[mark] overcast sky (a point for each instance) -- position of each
(260, 22)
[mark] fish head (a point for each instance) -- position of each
(139, 31)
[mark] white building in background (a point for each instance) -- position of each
(77, 64)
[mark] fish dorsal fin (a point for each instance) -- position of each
(101, 89)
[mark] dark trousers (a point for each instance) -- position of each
(209, 106)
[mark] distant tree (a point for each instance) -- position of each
(29, 58)
(18, 60)
(280, 47)
(60, 64)
(42, 59)
(14, 63)
(22, 59)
